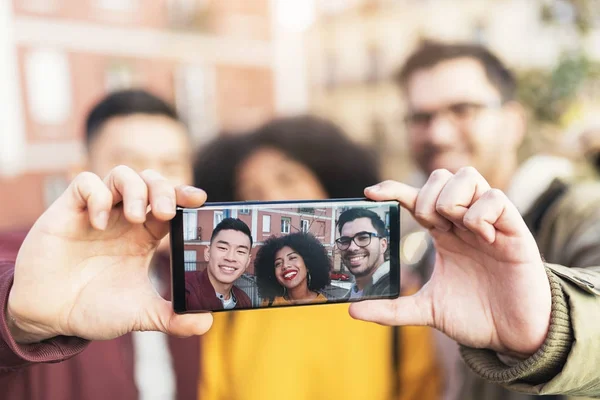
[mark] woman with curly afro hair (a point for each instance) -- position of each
(292, 269)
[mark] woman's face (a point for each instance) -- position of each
(290, 269)
(269, 174)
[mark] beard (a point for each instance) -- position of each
(371, 265)
(363, 273)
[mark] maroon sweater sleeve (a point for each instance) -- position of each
(14, 355)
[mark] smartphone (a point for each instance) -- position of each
(249, 255)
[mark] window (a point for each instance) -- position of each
(387, 221)
(190, 225)
(245, 210)
(189, 260)
(304, 225)
(320, 228)
(285, 224)
(217, 218)
(266, 223)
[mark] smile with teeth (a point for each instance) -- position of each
(356, 259)
(227, 269)
(288, 276)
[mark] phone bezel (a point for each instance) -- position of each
(177, 247)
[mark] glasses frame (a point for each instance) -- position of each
(353, 239)
(411, 119)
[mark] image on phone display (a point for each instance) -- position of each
(248, 255)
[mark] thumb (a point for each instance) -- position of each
(409, 310)
(182, 325)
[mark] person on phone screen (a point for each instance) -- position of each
(362, 245)
(292, 269)
(227, 257)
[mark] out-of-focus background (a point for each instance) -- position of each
(229, 65)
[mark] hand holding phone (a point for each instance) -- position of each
(249, 255)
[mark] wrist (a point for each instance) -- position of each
(22, 332)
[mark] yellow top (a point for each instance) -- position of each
(312, 353)
(282, 301)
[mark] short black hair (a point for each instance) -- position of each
(311, 250)
(431, 53)
(234, 224)
(355, 213)
(123, 103)
(343, 167)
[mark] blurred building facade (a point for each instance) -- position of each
(231, 64)
(211, 58)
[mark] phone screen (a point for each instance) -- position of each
(247, 255)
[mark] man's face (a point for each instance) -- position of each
(362, 261)
(469, 126)
(142, 142)
(228, 256)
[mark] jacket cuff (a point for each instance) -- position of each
(542, 366)
(15, 355)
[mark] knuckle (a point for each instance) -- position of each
(443, 208)
(155, 179)
(468, 171)
(471, 219)
(440, 173)
(121, 169)
(422, 214)
(85, 177)
(495, 194)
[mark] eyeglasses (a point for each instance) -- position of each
(361, 239)
(457, 113)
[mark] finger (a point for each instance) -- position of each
(409, 310)
(392, 190)
(426, 207)
(186, 196)
(161, 195)
(87, 191)
(127, 186)
(492, 212)
(182, 325)
(460, 193)
(189, 196)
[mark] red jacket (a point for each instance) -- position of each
(200, 294)
(72, 368)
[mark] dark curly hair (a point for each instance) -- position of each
(308, 247)
(343, 167)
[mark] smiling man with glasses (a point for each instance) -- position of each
(362, 245)
(461, 111)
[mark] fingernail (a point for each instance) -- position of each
(374, 188)
(137, 208)
(102, 220)
(165, 205)
(192, 190)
